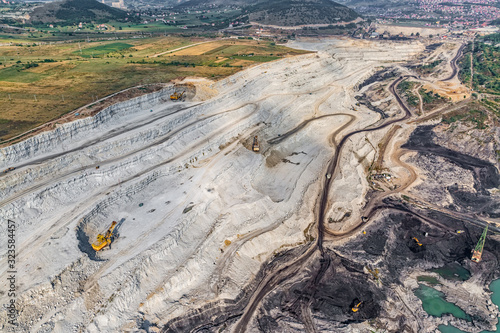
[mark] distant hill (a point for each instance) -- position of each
(300, 12)
(285, 12)
(71, 11)
(206, 3)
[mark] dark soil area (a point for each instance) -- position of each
(330, 298)
(364, 101)
(432, 47)
(486, 173)
(379, 76)
(475, 202)
(440, 244)
(375, 242)
(329, 284)
(343, 286)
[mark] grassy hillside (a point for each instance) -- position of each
(486, 67)
(284, 12)
(70, 11)
(40, 83)
(300, 12)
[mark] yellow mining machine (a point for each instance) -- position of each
(478, 251)
(255, 145)
(104, 240)
(416, 240)
(176, 96)
(375, 272)
(356, 306)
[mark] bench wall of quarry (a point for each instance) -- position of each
(106, 150)
(78, 184)
(79, 129)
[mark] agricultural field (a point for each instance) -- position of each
(215, 19)
(199, 23)
(41, 82)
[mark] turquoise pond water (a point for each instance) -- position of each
(453, 271)
(434, 303)
(495, 298)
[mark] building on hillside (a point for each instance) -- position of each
(119, 4)
(116, 4)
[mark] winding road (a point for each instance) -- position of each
(453, 63)
(269, 283)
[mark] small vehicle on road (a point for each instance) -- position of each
(9, 169)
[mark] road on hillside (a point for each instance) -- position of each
(269, 283)
(453, 63)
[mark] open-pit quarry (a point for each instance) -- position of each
(352, 197)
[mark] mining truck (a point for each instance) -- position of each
(255, 146)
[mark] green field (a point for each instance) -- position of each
(17, 74)
(202, 23)
(101, 50)
(40, 82)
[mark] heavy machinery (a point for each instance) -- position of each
(177, 96)
(104, 240)
(416, 240)
(255, 145)
(356, 306)
(478, 251)
(375, 272)
(9, 169)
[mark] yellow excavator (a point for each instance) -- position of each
(416, 240)
(255, 145)
(356, 307)
(177, 96)
(104, 240)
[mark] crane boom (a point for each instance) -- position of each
(478, 251)
(177, 96)
(104, 240)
